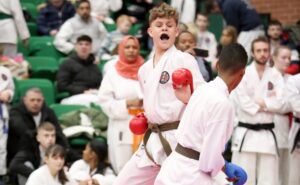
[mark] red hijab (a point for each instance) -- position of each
(125, 68)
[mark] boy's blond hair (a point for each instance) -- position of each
(123, 18)
(163, 11)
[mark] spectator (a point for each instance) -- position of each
(186, 10)
(93, 166)
(6, 95)
(28, 115)
(102, 8)
(254, 143)
(81, 23)
(245, 19)
(30, 158)
(53, 171)
(186, 42)
(78, 75)
(275, 32)
(205, 39)
(114, 38)
(53, 15)
(12, 24)
(119, 92)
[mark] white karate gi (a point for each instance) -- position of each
(186, 10)
(161, 106)
(293, 97)
(103, 7)
(207, 40)
(11, 28)
(42, 176)
(80, 170)
(6, 83)
(258, 153)
(206, 126)
(113, 93)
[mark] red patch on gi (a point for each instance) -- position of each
(164, 77)
(4, 77)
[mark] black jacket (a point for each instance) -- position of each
(76, 75)
(30, 152)
(22, 121)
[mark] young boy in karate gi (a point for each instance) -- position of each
(162, 109)
(205, 128)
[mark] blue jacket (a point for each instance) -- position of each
(51, 18)
(240, 14)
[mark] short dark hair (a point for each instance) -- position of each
(78, 3)
(233, 57)
(259, 39)
(84, 38)
(274, 22)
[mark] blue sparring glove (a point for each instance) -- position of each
(235, 173)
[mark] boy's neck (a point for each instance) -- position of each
(157, 55)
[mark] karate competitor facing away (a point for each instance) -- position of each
(162, 109)
(205, 128)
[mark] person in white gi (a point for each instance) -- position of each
(81, 24)
(101, 9)
(93, 167)
(12, 24)
(293, 97)
(186, 10)
(52, 173)
(277, 104)
(162, 108)
(6, 94)
(118, 93)
(254, 142)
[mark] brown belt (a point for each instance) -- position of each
(158, 129)
(187, 152)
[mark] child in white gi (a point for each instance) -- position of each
(205, 128)
(162, 109)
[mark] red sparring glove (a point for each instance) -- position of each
(182, 77)
(139, 124)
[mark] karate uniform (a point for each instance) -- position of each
(113, 93)
(207, 40)
(161, 106)
(293, 97)
(12, 27)
(80, 170)
(6, 83)
(206, 126)
(42, 176)
(255, 150)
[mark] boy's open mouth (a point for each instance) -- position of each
(164, 36)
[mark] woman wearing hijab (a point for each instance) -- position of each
(118, 94)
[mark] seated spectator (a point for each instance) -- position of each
(28, 115)
(275, 31)
(53, 171)
(81, 23)
(114, 38)
(6, 95)
(102, 8)
(119, 93)
(17, 65)
(186, 9)
(186, 42)
(53, 15)
(79, 75)
(93, 166)
(32, 156)
(205, 39)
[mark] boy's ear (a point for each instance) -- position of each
(149, 30)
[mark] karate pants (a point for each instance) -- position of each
(283, 166)
(294, 177)
(262, 169)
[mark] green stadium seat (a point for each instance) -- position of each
(43, 67)
(216, 24)
(42, 48)
(32, 40)
(45, 85)
(110, 27)
(31, 8)
(60, 109)
(32, 27)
